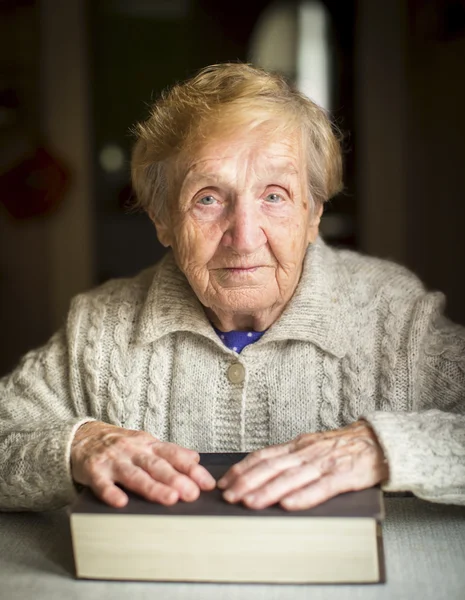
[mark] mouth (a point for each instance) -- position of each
(240, 276)
(241, 269)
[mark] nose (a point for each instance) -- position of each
(244, 234)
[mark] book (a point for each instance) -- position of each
(210, 540)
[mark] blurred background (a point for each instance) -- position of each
(75, 75)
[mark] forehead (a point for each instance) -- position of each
(261, 152)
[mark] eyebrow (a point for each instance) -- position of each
(284, 168)
(194, 177)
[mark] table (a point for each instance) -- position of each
(424, 545)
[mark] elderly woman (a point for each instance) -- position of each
(335, 371)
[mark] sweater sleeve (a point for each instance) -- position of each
(38, 418)
(425, 447)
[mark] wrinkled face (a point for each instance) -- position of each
(243, 222)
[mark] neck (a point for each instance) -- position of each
(259, 321)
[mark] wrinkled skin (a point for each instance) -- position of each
(103, 455)
(239, 230)
(241, 227)
(308, 470)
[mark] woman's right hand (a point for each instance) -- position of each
(103, 455)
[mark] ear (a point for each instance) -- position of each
(163, 231)
(163, 234)
(314, 224)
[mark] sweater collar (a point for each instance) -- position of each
(317, 312)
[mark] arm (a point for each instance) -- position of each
(425, 448)
(38, 418)
(421, 450)
(49, 437)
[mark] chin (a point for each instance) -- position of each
(243, 302)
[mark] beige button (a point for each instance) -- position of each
(236, 373)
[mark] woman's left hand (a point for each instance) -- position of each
(308, 470)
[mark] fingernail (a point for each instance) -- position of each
(121, 502)
(221, 483)
(288, 503)
(249, 498)
(208, 480)
(172, 497)
(191, 495)
(229, 496)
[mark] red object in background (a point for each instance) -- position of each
(35, 186)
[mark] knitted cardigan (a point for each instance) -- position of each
(360, 338)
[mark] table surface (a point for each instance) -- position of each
(424, 546)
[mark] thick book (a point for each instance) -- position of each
(339, 541)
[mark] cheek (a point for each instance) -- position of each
(288, 237)
(196, 242)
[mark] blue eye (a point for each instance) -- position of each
(207, 200)
(274, 198)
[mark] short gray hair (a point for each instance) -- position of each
(176, 120)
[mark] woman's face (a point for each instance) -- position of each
(242, 224)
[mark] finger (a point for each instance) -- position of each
(162, 471)
(337, 481)
(186, 461)
(108, 492)
(260, 474)
(270, 481)
(315, 493)
(269, 468)
(139, 481)
(281, 486)
(347, 469)
(337, 460)
(175, 454)
(250, 461)
(202, 477)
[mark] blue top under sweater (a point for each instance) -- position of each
(238, 340)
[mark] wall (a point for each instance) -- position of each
(436, 184)
(409, 138)
(410, 98)
(45, 261)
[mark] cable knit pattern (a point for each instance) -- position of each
(90, 354)
(123, 370)
(389, 343)
(439, 440)
(155, 415)
(330, 405)
(360, 338)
